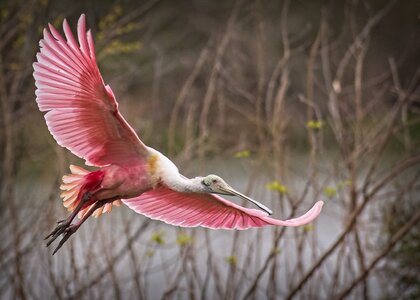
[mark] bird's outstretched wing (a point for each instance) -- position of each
(207, 210)
(82, 113)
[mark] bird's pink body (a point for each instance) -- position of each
(82, 115)
(125, 181)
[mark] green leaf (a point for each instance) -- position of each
(157, 237)
(330, 191)
(344, 183)
(315, 124)
(184, 239)
(276, 186)
(276, 251)
(242, 154)
(231, 259)
(308, 227)
(117, 47)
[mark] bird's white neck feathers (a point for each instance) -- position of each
(162, 169)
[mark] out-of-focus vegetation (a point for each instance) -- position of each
(403, 262)
(310, 99)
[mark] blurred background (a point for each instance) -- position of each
(289, 101)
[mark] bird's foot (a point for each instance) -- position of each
(65, 228)
(66, 234)
(59, 229)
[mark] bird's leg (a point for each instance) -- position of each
(64, 224)
(68, 231)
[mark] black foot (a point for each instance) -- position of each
(59, 229)
(65, 228)
(66, 234)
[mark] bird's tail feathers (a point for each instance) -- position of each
(79, 182)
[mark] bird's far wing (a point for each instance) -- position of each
(207, 210)
(82, 113)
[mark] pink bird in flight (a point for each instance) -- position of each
(82, 115)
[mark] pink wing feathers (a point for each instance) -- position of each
(207, 210)
(82, 113)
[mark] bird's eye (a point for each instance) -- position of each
(205, 183)
(214, 180)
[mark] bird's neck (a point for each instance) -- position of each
(164, 170)
(183, 184)
(180, 183)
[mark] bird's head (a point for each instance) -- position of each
(215, 184)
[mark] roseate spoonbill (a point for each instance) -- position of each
(82, 115)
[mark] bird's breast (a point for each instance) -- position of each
(126, 181)
(152, 162)
(161, 169)
(152, 169)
